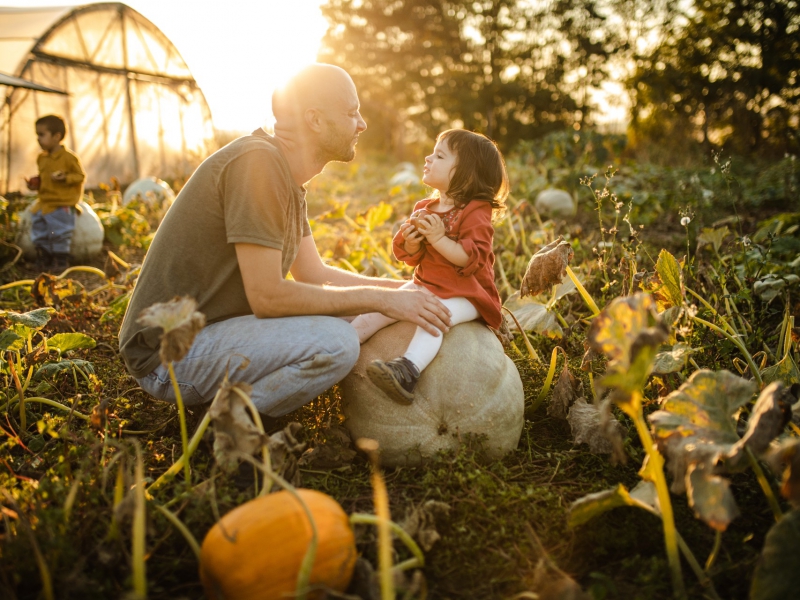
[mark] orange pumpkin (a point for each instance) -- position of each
(255, 551)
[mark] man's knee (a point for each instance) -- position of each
(342, 345)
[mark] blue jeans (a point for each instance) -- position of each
(53, 231)
(289, 361)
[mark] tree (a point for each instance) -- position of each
(726, 76)
(507, 68)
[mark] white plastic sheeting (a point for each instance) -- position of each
(133, 108)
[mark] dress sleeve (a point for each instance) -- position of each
(475, 236)
(412, 260)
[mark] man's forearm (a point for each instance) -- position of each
(341, 278)
(292, 298)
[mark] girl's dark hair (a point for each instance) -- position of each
(480, 171)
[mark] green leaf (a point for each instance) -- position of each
(590, 506)
(54, 368)
(710, 497)
(673, 360)
(593, 505)
(629, 332)
(785, 371)
(777, 573)
(64, 342)
(614, 331)
(11, 341)
(669, 271)
(697, 423)
(714, 237)
(35, 319)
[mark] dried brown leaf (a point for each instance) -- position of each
(420, 522)
(180, 323)
(603, 434)
(769, 416)
(234, 429)
(546, 268)
(589, 356)
(285, 450)
(565, 391)
(786, 458)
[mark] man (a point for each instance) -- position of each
(236, 229)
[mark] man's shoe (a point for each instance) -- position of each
(60, 262)
(397, 378)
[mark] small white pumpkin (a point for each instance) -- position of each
(149, 190)
(470, 387)
(554, 202)
(87, 239)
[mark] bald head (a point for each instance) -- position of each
(315, 86)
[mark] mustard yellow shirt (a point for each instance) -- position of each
(53, 194)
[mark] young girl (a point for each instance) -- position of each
(448, 239)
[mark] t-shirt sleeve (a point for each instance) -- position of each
(475, 236)
(256, 197)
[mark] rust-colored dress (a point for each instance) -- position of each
(471, 226)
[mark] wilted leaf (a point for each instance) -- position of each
(673, 360)
(787, 455)
(234, 430)
(697, 423)
(35, 319)
(566, 389)
(180, 322)
(53, 368)
(771, 286)
(710, 497)
(769, 416)
(669, 271)
(777, 573)
(546, 268)
(420, 522)
(285, 449)
(64, 342)
(336, 451)
(588, 426)
(551, 583)
(713, 237)
(533, 316)
(49, 290)
(99, 416)
(10, 341)
(785, 371)
(628, 331)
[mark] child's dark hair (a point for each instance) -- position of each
(54, 124)
(480, 171)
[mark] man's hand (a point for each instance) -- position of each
(413, 238)
(419, 307)
(432, 227)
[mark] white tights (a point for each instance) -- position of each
(423, 347)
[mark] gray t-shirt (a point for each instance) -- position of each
(243, 193)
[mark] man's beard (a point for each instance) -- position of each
(337, 146)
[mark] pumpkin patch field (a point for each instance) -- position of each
(651, 451)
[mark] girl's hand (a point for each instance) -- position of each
(413, 238)
(432, 227)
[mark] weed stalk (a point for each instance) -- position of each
(187, 472)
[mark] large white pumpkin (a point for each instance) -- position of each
(553, 202)
(470, 387)
(87, 239)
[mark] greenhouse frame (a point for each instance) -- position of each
(132, 107)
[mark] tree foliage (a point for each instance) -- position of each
(511, 69)
(725, 74)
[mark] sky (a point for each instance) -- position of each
(237, 50)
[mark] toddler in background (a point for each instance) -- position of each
(60, 187)
(448, 239)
